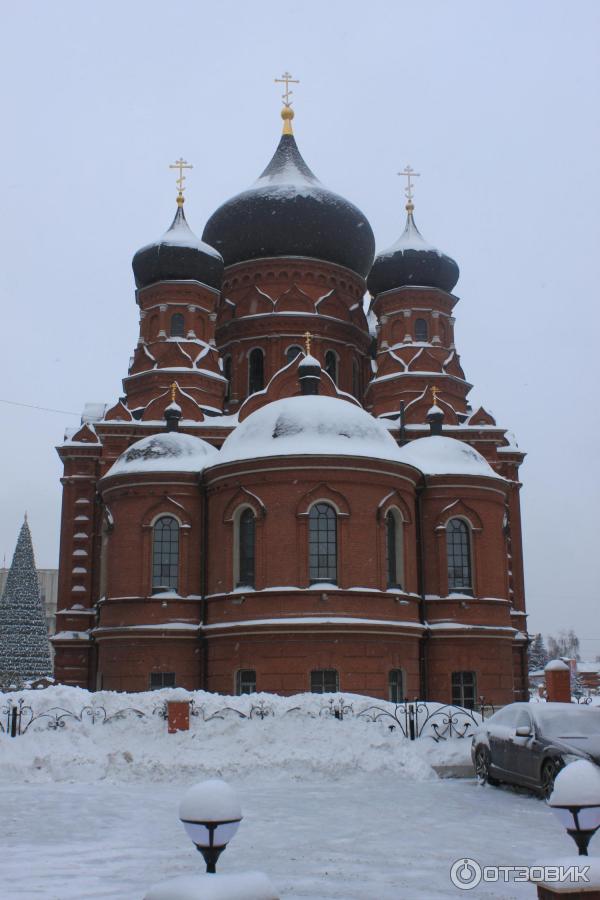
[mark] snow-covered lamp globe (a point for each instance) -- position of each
(575, 801)
(211, 814)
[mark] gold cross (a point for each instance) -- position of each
(180, 164)
(173, 391)
(307, 339)
(409, 173)
(434, 392)
(287, 79)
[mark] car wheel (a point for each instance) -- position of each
(550, 770)
(482, 766)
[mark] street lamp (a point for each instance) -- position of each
(211, 814)
(575, 801)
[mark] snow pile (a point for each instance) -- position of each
(298, 738)
(310, 425)
(437, 455)
(245, 886)
(170, 451)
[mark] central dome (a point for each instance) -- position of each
(288, 212)
(309, 425)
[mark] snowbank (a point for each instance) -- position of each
(297, 737)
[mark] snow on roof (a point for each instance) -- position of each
(170, 451)
(309, 425)
(181, 235)
(410, 239)
(438, 455)
(310, 361)
(556, 665)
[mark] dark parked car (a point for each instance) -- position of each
(529, 743)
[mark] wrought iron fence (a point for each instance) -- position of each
(412, 719)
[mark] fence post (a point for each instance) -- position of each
(178, 715)
(411, 721)
(14, 713)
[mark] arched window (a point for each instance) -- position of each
(292, 352)
(458, 541)
(331, 365)
(322, 543)
(177, 325)
(165, 554)
(393, 542)
(246, 544)
(421, 331)
(356, 379)
(256, 371)
(227, 375)
(396, 685)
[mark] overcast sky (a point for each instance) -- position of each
(496, 104)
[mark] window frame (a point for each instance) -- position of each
(394, 514)
(332, 355)
(323, 674)
(237, 574)
(241, 682)
(315, 570)
(180, 318)
(162, 675)
(466, 530)
(459, 688)
(391, 686)
(227, 364)
(419, 338)
(253, 354)
(289, 359)
(157, 580)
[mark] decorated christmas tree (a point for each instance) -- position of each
(24, 644)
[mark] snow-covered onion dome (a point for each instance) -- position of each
(166, 452)
(412, 261)
(178, 256)
(309, 425)
(438, 455)
(288, 212)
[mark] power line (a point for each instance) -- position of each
(63, 412)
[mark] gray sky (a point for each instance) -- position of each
(496, 104)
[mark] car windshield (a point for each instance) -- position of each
(573, 723)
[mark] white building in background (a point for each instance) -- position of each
(48, 579)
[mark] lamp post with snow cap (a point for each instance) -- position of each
(575, 801)
(211, 814)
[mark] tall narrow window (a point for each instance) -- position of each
(256, 371)
(322, 543)
(227, 375)
(421, 331)
(246, 541)
(177, 325)
(165, 554)
(459, 557)
(245, 682)
(464, 689)
(324, 681)
(396, 685)
(331, 365)
(393, 534)
(356, 379)
(292, 352)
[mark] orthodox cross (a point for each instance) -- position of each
(287, 79)
(173, 391)
(409, 173)
(307, 339)
(180, 164)
(434, 393)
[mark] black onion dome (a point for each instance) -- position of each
(288, 212)
(412, 261)
(178, 256)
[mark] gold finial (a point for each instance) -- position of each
(307, 340)
(173, 391)
(287, 113)
(180, 164)
(409, 174)
(434, 393)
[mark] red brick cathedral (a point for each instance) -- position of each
(293, 493)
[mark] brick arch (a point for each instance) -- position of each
(243, 497)
(166, 506)
(391, 501)
(459, 510)
(323, 493)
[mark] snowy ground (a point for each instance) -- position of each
(331, 810)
